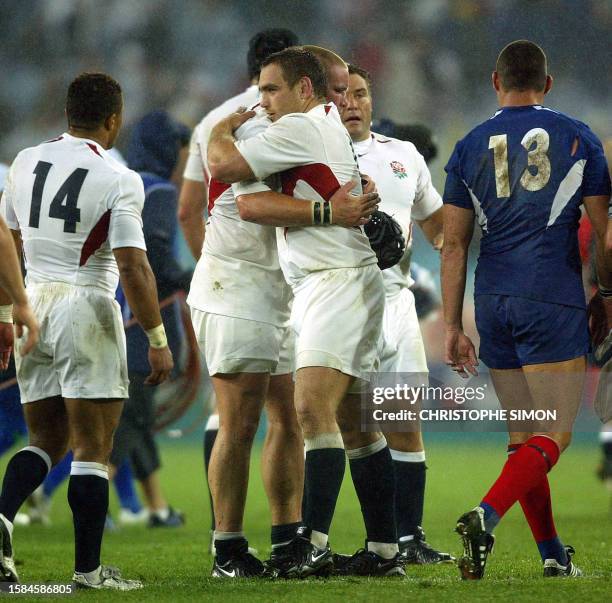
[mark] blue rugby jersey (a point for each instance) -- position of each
(525, 172)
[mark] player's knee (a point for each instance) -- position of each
(244, 430)
(95, 448)
(313, 422)
(55, 446)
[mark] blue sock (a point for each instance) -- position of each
(553, 549)
(491, 518)
(57, 475)
(124, 484)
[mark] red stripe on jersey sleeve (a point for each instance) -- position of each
(317, 175)
(54, 139)
(94, 148)
(215, 190)
(97, 236)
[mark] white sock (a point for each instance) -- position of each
(387, 550)
(163, 514)
(93, 576)
(318, 539)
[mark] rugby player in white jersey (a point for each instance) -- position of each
(192, 214)
(338, 291)
(407, 193)
(240, 309)
(76, 211)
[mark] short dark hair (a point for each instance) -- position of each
(265, 43)
(521, 66)
(360, 71)
(91, 99)
(297, 63)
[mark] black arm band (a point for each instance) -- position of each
(327, 213)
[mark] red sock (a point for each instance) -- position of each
(537, 507)
(523, 471)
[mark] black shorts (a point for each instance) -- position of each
(134, 439)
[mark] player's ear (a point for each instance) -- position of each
(549, 84)
(306, 89)
(111, 122)
(495, 81)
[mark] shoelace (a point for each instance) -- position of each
(362, 559)
(109, 571)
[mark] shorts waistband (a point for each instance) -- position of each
(60, 288)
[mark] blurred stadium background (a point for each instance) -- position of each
(431, 62)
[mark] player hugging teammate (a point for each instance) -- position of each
(293, 314)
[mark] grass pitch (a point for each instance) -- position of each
(175, 564)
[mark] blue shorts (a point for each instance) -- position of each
(515, 331)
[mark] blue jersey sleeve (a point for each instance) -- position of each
(455, 189)
(596, 178)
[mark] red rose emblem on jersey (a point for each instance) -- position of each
(398, 169)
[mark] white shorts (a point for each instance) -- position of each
(81, 351)
(337, 316)
(403, 350)
(238, 345)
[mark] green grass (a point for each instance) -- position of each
(175, 564)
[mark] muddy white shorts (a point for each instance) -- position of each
(81, 352)
(337, 316)
(403, 350)
(238, 345)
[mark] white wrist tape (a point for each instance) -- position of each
(157, 337)
(6, 313)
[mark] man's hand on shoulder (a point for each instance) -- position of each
(236, 119)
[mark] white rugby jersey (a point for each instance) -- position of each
(313, 155)
(404, 184)
(238, 273)
(73, 204)
(196, 167)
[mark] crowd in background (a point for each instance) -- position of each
(430, 59)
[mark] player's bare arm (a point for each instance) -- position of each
(460, 353)
(600, 306)
(225, 162)
(433, 228)
(14, 306)
(192, 201)
(140, 290)
(275, 209)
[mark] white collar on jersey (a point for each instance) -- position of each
(363, 147)
(501, 109)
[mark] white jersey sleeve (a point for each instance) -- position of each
(6, 204)
(254, 126)
(194, 169)
(125, 228)
(287, 143)
(426, 199)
